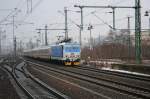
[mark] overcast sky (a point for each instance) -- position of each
(48, 12)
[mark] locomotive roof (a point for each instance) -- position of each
(38, 48)
(49, 46)
(72, 43)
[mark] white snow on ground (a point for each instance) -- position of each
(124, 71)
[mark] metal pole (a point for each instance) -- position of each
(0, 40)
(149, 26)
(137, 31)
(31, 6)
(81, 25)
(90, 28)
(15, 46)
(14, 49)
(99, 38)
(90, 39)
(42, 39)
(39, 32)
(66, 24)
(129, 45)
(13, 28)
(113, 11)
(27, 6)
(81, 18)
(46, 43)
(80, 36)
(13, 43)
(37, 42)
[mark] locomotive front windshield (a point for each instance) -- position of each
(72, 49)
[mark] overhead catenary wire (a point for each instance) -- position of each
(102, 21)
(119, 2)
(93, 12)
(5, 18)
(20, 6)
(28, 14)
(69, 19)
(99, 10)
(12, 11)
(34, 7)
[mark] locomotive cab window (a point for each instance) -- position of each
(72, 49)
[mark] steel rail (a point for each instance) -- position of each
(126, 75)
(53, 91)
(85, 78)
(108, 80)
(30, 96)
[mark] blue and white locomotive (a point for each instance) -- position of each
(66, 53)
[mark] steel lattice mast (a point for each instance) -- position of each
(137, 24)
(138, 31)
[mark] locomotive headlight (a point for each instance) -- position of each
(78, 56)
(66, 56)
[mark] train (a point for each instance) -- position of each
(64, 53)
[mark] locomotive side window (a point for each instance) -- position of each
(72, 49)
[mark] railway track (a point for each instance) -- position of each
(32, 87)
(123, 88)
(62, 80)
(121, 74)
(132, 79)
(124, 80)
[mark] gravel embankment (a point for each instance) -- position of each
(66, 88)
(7, 90)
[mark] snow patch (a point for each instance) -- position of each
(124, 71)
